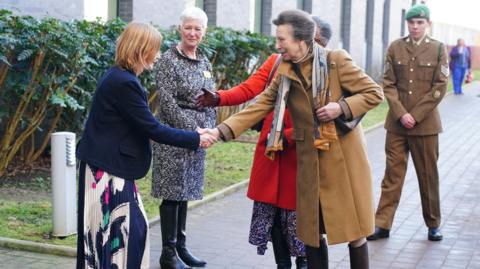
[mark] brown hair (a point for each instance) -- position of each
(301, 22)
(137, 41)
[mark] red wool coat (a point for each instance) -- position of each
(271, 182)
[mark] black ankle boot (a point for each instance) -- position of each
(317, 258)
(182, 249)
(359, 257)
(323, 253)
(280, 246)
(301, 262)
(168, 224)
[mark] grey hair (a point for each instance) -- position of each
(301, 22)
(194, 13)
(325, 30)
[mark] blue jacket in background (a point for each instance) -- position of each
(455, 57)
(117, 134)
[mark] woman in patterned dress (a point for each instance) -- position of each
(178, 173)
(115, 151)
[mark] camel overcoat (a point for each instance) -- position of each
(338, 179)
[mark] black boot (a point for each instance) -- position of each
(182, 249)
(317, 258)
(280, 246)
(168, 223)
(301, 262)
(359, 257)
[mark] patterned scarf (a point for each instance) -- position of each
(324, 132)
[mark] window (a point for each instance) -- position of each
(200, 4)
(125, 8)
(210, 7)
(369, 34)
(386, 25)
(402, 23)
(263, 16)
(346, 17)
(305, 5)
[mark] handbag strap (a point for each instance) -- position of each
(440, 52)
(273, 71)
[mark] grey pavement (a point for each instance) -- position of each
(218, 231)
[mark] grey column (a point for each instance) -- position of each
(125, 10)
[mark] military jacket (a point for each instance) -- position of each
(415, 81)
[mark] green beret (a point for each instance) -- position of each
(418, 11)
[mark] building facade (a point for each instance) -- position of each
(362, 27)
(64, 10)
(365, 28)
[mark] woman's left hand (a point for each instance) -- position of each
(329, 112)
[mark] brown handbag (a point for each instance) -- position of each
(469, 78)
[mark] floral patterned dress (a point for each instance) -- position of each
(178, 173)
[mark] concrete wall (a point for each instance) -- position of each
(61, 9)
(357, 32)
(240, 15)
(329, 10)
(449, 34)
(157, 12)
(279, 6)
(228, 14)
(396, 19)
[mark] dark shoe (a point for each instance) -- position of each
(170, 260)
(434, 234)
(182, 249)
(359, 257)
(301, 262)
(378, 234)
(280, 245)
(168, 224)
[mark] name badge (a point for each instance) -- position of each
(207, 74)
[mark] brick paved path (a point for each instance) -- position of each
(218, 231)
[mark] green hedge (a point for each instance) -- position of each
(49, 69)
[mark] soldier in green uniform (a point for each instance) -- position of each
(415, 81)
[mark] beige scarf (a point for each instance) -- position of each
(324, 132)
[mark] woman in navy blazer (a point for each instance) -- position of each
(115, 150)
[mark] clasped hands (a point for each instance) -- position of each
(208, 136)
(408, 121)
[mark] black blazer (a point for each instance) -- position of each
(117, 134)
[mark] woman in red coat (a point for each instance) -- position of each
(272, 184)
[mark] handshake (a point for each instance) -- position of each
(208, 136)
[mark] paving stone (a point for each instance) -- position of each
(218, 231)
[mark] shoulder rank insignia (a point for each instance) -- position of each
(445, 71)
